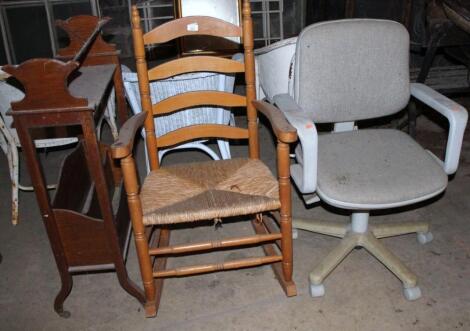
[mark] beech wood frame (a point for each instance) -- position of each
(153, 246)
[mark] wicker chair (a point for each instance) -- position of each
(173, 196)
(166, 88)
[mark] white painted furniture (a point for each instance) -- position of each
(163, 89)
(274, 68)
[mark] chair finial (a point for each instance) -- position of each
(135, 17)
(246, 8)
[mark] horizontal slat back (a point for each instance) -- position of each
(188, 26)
(198, 98)
(195, 64)
(201, 131)
(192, 25)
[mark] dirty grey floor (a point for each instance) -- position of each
(361, 294)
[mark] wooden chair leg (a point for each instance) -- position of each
(286, 247)
(163, 241)
(141, 240)
(285, 219)
(145, 265)
(278, 268)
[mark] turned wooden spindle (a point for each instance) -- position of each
(132, 189)
(283, 164)
(250, 80)
(142, 73)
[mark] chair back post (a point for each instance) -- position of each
(142, 73)
(250, 80)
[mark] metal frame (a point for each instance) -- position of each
(150, 21)
(47, 4)
(147, 17)
(265, 12)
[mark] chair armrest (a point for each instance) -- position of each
(304, 173)
(455, 114)
(285, 132)
(125, 142)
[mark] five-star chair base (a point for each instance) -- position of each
(359, 234)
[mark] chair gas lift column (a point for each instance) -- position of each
(346, 71)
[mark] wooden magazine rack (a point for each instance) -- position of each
(88, 220)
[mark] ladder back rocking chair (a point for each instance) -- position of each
(192, 192)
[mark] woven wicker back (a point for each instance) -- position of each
(186, 26)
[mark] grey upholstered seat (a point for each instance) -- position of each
(369, 169)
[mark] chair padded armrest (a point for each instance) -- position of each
(455, 114)
(304, 173)
(285, 132)
(125, 142)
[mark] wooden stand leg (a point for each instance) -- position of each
(121, 104)
(98, 174)
(127, 284)
(64, 292)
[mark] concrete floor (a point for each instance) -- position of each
(361, 293)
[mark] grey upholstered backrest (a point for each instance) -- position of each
(353, 69)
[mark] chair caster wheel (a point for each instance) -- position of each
(317, 290)
(424, 237)
(295, 233)
(412, 293)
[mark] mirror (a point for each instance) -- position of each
(227, 10)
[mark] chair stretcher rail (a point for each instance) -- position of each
(205, 268)
(210, 245)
